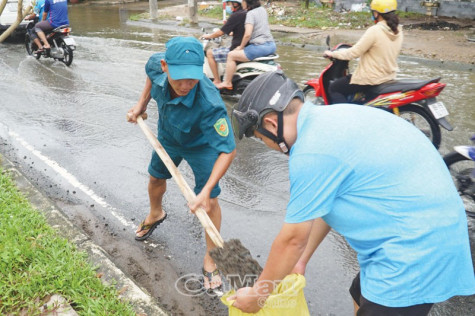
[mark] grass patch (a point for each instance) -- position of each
(314, 17)
(35, 263)
(140, 16)
(212, 11)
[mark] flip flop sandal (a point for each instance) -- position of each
(226, 88)
(150, 228)
(210, 276)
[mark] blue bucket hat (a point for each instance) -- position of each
(185, 58)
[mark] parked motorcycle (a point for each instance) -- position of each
(461, 164)
(412, 99)
(62, 45)
(245, 71)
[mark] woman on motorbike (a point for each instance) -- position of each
(377, 49)
(256, 42)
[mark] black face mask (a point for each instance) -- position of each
(279, 139)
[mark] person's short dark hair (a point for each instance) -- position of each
(252, 4)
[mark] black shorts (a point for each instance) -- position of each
(368, 308)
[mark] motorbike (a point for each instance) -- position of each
(414, 100)
(461, 164)
(245, 71)
(62, 45)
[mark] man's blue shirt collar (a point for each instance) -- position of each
(186, 100)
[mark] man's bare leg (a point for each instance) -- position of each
(38, 43)
(208, 263)
(356, 307)
(213, 66)
(156, 190)
(42, 36)
(231, 65)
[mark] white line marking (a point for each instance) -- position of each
(72, 179)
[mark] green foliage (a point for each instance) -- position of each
(319, 17)
(315, 16)
(410, 15)
(35, 262)
(140, 16)
(212, 11)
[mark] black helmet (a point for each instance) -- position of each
(271, 91)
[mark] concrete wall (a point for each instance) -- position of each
(449, 8)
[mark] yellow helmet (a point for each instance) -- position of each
(383, 6)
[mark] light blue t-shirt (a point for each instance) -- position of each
(39, 9)
(379, 182)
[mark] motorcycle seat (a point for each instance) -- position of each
(268, 57)
(59, 28)
(402, 85)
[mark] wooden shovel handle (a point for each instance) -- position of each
(190, 196)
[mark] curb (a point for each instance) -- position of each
(139, 298)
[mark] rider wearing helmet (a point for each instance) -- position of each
(234, 25)
(378, 50)
(256, 42)
(388, 194)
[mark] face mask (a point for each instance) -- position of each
(373, 18)
(229, 9)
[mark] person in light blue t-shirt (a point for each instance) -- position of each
(375, 179)
(38, 10)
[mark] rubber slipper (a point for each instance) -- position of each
(221, 87)
(150, 228)
(210, 276)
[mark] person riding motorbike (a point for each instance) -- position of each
(378, 50)
(234, 25)
(37, 11)
(256, 42)
(55, 14)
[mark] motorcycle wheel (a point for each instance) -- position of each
(309, 95)
(31, 47)
(461, 169)
(68, 54)
(241, 85)
(418, 116)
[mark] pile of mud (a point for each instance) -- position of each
(437, 26)
(236, 263)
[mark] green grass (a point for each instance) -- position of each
(35, 263)
(140, 16)
(314, 17)
(214, 11)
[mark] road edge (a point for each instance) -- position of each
(138, 297)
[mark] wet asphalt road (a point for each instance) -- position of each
(66, 128)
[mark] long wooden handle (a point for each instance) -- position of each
(190, 196)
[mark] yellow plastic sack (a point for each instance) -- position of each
(286, 299)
